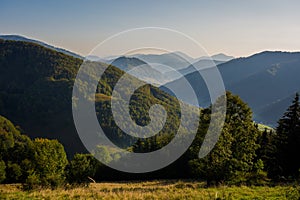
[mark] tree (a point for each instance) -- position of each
(288, 140)
(15, 149)
(13, 172)
(7, 132)
(82, 168)
(38, 163)
(267, 151)
(233, 157)
(102, 153)
(49, 163)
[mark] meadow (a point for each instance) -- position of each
(162, 189)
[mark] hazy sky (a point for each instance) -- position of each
(237, 28)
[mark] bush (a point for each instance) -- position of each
(14, 172)
(2, 170)
(49, 163)
(81, 168)
(32, 182)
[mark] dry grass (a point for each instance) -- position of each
(101, 97)
(152, 190)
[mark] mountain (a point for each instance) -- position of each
(24, 39)
(127, 63)
(171, 66)
(222, 57)
(144, 72)
(96, 58)
(266, 81)
(165, 67)
(218, 57)
(36, 86)
(179, 60)
(175, 60)
(200, 65)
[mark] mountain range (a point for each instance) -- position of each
(267, 81)
(161, 67)
(174, 60)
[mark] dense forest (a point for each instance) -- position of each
(243, 154)
(43, 149)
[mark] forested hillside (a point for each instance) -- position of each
(36, 91)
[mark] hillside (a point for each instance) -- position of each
(36, 89)
(266, 81)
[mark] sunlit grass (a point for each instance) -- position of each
(153, 190)
(101, 97)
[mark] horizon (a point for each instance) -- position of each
(129, 55)
(234, 28)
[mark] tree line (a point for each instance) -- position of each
(243, 154)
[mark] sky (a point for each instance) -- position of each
(237, 28)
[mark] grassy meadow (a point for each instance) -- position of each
(153, 190)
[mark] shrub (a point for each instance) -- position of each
(2, 170)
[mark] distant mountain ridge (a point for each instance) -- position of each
(151, 74)
(218, 57)
(267, 81)
(168, 67)
(159, 73)
(179, 60)
(176, 60)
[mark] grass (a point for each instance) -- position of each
(101, 97)
(153, 190)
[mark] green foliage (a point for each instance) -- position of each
(81, 168)
(234, 154)
(288, 141)
(50, 161)
(7, 132)
(258, 176)
(267, 151)
(14, 172)
(33, 181)
(36, 91)
(141, 101)
(16, 149)
(2, 171)
(103, 153)
(36, 88)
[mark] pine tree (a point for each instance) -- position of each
(288, 140)
(267, 150)
(82, 169)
